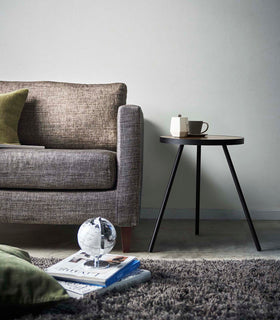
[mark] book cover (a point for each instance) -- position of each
(19, 146)
(73, 268)
(79, 290)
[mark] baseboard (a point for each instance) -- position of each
(209, 214)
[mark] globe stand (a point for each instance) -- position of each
(96, 263)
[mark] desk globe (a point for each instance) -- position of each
(97, 236)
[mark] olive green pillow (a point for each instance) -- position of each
(11, 105)
(23, 284)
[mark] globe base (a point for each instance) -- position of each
(96, 264)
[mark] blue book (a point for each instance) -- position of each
(74, 268)
(135, 264)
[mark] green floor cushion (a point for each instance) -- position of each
(22, 283)
(11, 105)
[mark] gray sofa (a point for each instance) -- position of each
(92, 162)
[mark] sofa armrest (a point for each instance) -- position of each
(130, 164)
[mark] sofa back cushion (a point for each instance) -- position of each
(69, 115)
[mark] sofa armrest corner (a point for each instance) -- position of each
(130, 132)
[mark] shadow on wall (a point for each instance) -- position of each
(158, 162)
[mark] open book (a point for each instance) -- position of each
(73, 268)
(19, 146)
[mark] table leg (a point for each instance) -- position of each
(197, 204)
(166, 196)
(242, 199)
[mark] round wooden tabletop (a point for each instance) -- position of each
(209, 140)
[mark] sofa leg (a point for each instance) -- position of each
(126, 238)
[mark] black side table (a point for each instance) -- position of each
(208, 140)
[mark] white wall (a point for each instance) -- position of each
(217, 61)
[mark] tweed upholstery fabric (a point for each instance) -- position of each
(57, 169)
(68, 115)
(56, 207)
(48, 101)
(130, 164)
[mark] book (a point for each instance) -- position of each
(80, 290)
(73, 268)
(19, 146)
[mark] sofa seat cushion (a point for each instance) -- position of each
(57, 169)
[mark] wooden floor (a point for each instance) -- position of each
(176, 240)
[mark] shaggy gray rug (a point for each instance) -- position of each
(247, 289)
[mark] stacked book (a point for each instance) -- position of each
(78, 280)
